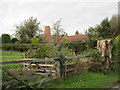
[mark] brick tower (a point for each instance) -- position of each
(47, 31)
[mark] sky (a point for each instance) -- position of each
(76, 14)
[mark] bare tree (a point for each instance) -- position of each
(58, 31)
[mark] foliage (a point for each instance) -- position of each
(76, 47)
(92, 53)
(17, 47)
(114, 26)
(115, 67)
(34, 40)
(116, 55)
(62, 60)
(47, 50)
(6, 38)
(106, 29)
(77, 33)
(27, 30)
(58, 31)
(95, 64)
(116, 48)
(67, 52)
(14, 40)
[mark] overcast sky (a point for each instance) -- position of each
(75, 14)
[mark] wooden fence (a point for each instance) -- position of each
(38, 70)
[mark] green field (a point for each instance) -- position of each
(88, 80)
(11, 55)
(84, 80)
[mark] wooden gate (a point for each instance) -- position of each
(37, 70)
(34, 73)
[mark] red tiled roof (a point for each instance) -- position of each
(74, 38)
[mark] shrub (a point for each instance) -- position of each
(6, 38)
(43, 50)
(92, 53)
(67, 52)
(17, 47)
(49, 50)
(116, 49)
(76, 47)
(116, 54)
(96, 63)
(14, 40)
(34, 40)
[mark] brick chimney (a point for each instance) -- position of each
(47, 31)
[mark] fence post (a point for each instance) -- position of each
(66, 68)
(77, 65)
(58, 68)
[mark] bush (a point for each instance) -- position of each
(14, 40)
(92, 53)
(76, 47)
(34, 40)
(42, 51)
(96, 64)
(116, 55)
(67, 52)
(116, 49)
(17, 47)
(6, 38)
(48, 50)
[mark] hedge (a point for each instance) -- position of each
(17, 47)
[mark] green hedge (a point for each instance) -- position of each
(18, 47)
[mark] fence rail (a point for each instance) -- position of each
(47, 71)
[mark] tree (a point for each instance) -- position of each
(114, 26)
(58, 31)
(6, 38)
(106, 29)
(27, 30)
(14, 40)
(77, 33)
(101, 31)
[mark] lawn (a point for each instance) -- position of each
(88, 80)
(11, 55)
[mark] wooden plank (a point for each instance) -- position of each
(8, 82)
(48, 80)
(46, 65)
(44, 77)
(68, 70)
(12, 75)
(38, 60)
(25, 61)
(68, 64)
(33, 77)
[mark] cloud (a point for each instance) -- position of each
(75, 15)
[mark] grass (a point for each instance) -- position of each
(88, 80)
(11, 55)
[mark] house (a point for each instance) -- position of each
(61, 38)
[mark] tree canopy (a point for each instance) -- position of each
(58, 31)
(106, 29)
(77, 33)
(27, 30)
(6, 38)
